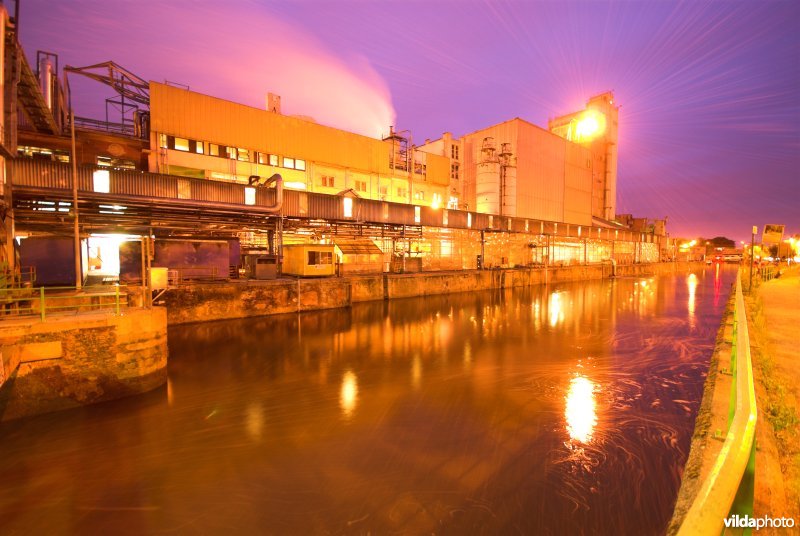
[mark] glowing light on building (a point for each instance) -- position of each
(591, 125)
(580, 411)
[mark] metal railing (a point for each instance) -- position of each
(728, 488)
(42, 301)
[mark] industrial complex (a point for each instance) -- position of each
(212, 189)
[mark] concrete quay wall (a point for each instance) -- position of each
(241, 299)
(75, 360)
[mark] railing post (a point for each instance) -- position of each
(41, 302)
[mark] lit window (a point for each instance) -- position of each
(417, 215)
(231, 152)
(444, 218)
(300, 164)
(263, 158)
(213, 149)
(491, 220)
(420, 195)
(437, 201)
(273, 160)
(249, 195)
(162, 141)
(101, 181)
(361, 186)
(347, 204)
(199, 147)
(243, 154)
(469, 219)
(181, 144)
(452, 203)
(288, 162)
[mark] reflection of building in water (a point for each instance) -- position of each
(580, 411)
(348, 396)
(691, 283)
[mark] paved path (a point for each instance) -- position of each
(779, 328)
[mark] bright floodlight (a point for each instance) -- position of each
(591, 125)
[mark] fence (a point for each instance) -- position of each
(42, 301)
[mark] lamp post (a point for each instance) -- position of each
(752, 245)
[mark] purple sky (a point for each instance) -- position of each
(710, 92)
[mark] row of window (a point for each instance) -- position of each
(225, 151)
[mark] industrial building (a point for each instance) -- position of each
(173, 166)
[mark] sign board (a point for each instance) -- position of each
(773, 234)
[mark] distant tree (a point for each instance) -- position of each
(722, 242)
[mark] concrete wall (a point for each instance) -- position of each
(206, 302)
(72, 361)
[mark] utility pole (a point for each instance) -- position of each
(77, 238)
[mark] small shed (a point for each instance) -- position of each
(308, 260)
(360, 256)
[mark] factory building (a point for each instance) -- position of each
(197, 183)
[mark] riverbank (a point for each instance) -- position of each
(773, 314)
(203, 302)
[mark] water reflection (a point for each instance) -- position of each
(580, 411)
(348, 396)
(691, 282)
(456, 414)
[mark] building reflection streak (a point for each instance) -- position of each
(348, 396)
(691, 281)
(580, 411)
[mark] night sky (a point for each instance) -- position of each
(709, 92)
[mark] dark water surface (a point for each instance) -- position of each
(556, 410)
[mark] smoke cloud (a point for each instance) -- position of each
(234, 50)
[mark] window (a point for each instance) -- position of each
(213, 149)
(401, 192)
(319, 257)
(101, 181)
(288, 162)
(436, 202)
(198, 148)
(417, 215)
(300, 164)
(419, 195)
(243, 154)
(384, 190)
(454, 151)
(273, 160)
(181, 144)
(231, 152)
(469, 219)
(327, 181)
(454, 171)
(162, 141)
(452, 203)
(347, 206)
(361, 186)
(249, 195)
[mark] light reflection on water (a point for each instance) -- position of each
(555, 410)
(580, 411)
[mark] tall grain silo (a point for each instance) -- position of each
(487, 180)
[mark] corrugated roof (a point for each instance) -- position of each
(358, 246)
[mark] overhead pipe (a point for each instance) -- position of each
(259, 181)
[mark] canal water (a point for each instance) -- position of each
(565, 409)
